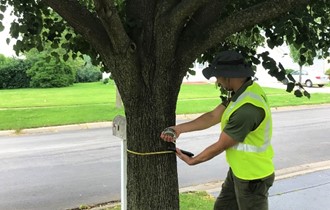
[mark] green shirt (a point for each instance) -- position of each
(245, 119)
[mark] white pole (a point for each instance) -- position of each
(124, 174)
(119, 130)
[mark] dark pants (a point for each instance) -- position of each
(238, 194)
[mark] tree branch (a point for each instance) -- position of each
(82, 20)
(185, 17)
(185, 10)
(203, 18)
(193, 46)
(112, 24)
(92, 29)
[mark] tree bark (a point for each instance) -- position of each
(152, 179)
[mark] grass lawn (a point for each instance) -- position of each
(95, 102)
(188, 201)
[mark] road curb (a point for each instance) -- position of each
(55, 129)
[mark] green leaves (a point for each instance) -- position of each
(68, 36)
(306, 28)
(278, 71)
(290, 87)
(66, 57)
(291, 78)
(270, 64)
(298, 93)
(307, 94)
(14, 30)
(2, 8)
(2, 27)
(36, 26)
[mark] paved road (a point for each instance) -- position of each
(62, 170)
(58, 170)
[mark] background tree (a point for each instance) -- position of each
(300, 57)
(13, 73)
(149, 45)
(88, 72)
(327, 72)
(4, 60)
(295, 55)
(50, 74)
(47, 71)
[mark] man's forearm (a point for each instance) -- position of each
(202, 122)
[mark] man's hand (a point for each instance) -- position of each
(169, 134)
(185, 158)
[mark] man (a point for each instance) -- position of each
(246, 125)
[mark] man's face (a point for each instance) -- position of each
(224, 83)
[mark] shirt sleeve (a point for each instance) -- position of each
(244, 120)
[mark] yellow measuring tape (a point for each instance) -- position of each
(149, 153)
(169, 131)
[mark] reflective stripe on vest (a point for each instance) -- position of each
(252, 148)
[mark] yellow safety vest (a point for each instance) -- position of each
(252, 158)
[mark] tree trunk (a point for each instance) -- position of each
(152, 179)
(149, 89)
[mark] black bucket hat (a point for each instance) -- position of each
(229, 64)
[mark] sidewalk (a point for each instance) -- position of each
(304, 187)
(305, 192)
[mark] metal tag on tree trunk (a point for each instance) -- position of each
(119, 127)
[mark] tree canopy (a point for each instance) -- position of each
(148, 46)
(199, 29)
